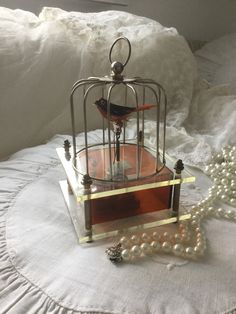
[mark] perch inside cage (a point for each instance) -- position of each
(120, 182)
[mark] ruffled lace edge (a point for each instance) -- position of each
(17, 293)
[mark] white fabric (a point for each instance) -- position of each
(211, 123)
(41, 57)
(55, 49)
(44, 270)
(217, 61)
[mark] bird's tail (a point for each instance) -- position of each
(145, 107)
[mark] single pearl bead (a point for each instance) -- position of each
(232, 201)
(199, 235)
(228, 175)
(185, 236)
(166, 236)
(126, 254)
(210, 195)
(220, 212)
(178, 249)
(233, 194)
(229, 214)
(198, 230)
(177, 237)
(210, 210)
(134, 239)
(124, 241)
(189, 252)
(195, 217)
(155, 246)
(166, 246)
(227, 191)
(182, 226)
(198, 250)
(223, 197)
(156, 236)
(224, 171)
(211, 171)
(145, 237)
(145, 248)
(194, 223)
(135, 250)
(233, 186)
(200, 245)
(193, 208)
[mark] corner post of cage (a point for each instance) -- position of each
(179, 167)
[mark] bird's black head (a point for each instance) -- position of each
(101, 103)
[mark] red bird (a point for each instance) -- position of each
(118, 113)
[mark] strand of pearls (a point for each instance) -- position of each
(145, 244)
(222, 170)
(190, 240)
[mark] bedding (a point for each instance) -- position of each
(42, 268)
(56, 48)
(42, 56)
(217, 61)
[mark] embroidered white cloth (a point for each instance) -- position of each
(44, 270)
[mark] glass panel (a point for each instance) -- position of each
(115, 227)
(99, 169)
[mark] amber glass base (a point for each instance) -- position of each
(130, 204)
(136, 198)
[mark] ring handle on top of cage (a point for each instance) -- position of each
(116, 66)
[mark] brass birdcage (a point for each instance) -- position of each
(120, 182)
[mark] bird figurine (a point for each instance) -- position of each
(117, 112)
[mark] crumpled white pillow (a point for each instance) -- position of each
(41, 57)
(217, 61)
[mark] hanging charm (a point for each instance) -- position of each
(114, 253)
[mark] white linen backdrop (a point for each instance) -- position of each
(41, 57)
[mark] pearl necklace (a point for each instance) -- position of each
(190, 241)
